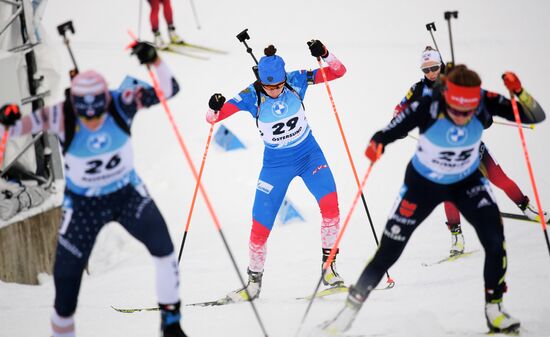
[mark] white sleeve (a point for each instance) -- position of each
(165, 78)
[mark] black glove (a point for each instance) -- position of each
(317, 48)
(9, 114)
(216, 102)
(145, 52)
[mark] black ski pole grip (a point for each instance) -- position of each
(451, 14)
(430, 26)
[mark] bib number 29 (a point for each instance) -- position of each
(279, 128)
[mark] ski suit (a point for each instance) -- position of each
(290, 151)
(445, 168)
(154, 17)
(102, 186)
(488, 166)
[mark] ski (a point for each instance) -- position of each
(327, 292)
(172, 50)
(198, 47)
(450, 258)
(517, 217)
(132, 310)
(221, 301)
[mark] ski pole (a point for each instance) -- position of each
(162, 99)
(139, 18)
(3, 142)
(389, 280)
(530, 126)
(340, 234)
(429, 27)
(159, 93)
(195, 14)
(190, 214)
(530, 168)
(448, 16)
(62, 29)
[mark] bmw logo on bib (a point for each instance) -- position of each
(279, 108)
(98, 142)
(457, 135)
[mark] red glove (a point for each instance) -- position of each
(512, 82)
(374, 151)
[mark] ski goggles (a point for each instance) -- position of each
(459, 113)
(431, 69)
(90, 106)
(277, 86)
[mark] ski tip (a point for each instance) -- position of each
(390, 282)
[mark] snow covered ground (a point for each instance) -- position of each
(380, 43)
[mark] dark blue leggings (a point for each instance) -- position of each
(83, 218)
(417, 199)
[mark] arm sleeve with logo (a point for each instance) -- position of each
(133, 99)
(416, 115)
(47, 118)
(245, 100)
(412, 95)
(530, 110)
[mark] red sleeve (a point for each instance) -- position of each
(227, 110)
(334, 70)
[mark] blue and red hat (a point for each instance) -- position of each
(271, 69)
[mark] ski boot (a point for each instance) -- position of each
(250, 292)
(174, 37)
(531, 211)
(345, 317)
(170, 320)
(331, 278)
(499, 320)
(457, 245)
(158, 41)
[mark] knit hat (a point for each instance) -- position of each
(90, 94)
(430, 55)
(271, 67)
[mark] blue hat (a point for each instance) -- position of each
(271, 69)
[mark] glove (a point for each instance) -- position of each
(512, 82)
(145, 52)
(216, 102)
(9, 114)
(317, 48)
(372, 151)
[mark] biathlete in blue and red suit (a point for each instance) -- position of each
(431, 65)
(445, 168)
(275, 101)
(93, 125)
